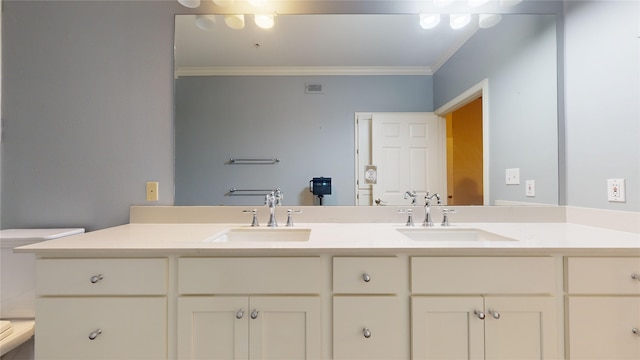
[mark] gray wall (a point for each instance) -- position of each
(602, 101)
(519, 59)
(87, 110)
(218, 118)
(87, 107)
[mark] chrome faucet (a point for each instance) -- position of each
(412, 195)
(272, 200)
(428, 221)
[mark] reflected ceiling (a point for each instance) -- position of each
(392, 43)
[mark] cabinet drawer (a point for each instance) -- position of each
(367, 275)
(370, 327)
(277, 275)
(130, 328)
(101, 276)
(603, 275)
(483, 275)
(601, 327)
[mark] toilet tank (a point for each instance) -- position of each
(17, 270)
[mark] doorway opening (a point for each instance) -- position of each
(467, 122)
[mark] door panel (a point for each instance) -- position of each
(408, 149)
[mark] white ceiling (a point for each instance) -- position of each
(323, 43)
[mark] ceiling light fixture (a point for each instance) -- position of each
(265, 21)
(234, 21)
(458, 21)
(429, 21)
(489, 20)
(192, 4)
(476, 3)
(223, 2)
(206, 22)
(257, 3)
(442, 3)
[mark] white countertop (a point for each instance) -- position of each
(150, 239)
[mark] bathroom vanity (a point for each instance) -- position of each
(340, 291)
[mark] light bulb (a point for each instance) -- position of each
(190, 3)
(223, 2)
(265, 21)
(206, 22)
(429, 21)
(234, 21)
(257, 3)
(458, 21)
(489, 20)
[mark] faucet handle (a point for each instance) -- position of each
(409, 213)
(445, 218)
(289, 216)
(254, 221)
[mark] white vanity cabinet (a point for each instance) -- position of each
(484, 308)
(101, 309)
(370, 311)
(249, 308)
(603, 306)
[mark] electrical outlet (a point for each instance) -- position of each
(616, 190)
(530, 190)
(512, 176)
(152, 191)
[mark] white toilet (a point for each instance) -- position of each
(17, 289)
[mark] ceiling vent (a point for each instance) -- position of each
(312, 88)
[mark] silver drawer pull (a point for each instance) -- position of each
(479, 314)
(240, 314)
(254, 314)
(495, 314)
(635, 331)
(95, 278)
(93, 335)
(366, 332)
(635, 276)
(366, 277)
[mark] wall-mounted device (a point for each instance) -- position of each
(320, 187)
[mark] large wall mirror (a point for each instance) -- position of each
(286, 100)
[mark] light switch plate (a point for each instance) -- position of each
(513, 176)
(152, 191)
(530, 190)
(616, 190)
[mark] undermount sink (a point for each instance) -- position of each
(451, 234)
(255, 234)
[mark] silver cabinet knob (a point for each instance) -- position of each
(366, 277)
(479, 314)
(95, 278)
(635, 331)
(495, 314)
(240, 314)
(635, 276)
(94, 334)
(254, 314)
(366, 332)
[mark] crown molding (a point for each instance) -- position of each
(303, 70)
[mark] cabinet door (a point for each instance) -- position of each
(447, 328)
(601, 327)
(285, 327)
(101, 328)
(213, 327)
(521, 328)
(370, 327)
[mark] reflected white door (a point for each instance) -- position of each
(409, 152)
